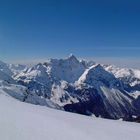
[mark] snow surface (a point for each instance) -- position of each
(22, 121)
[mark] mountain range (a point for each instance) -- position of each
(78, 86)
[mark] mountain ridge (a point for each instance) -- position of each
(80, 86)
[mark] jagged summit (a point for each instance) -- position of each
(72, 57)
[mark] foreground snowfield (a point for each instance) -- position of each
(22, 121)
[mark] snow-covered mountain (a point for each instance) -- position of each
(5, 68)
(50, 78)
(77, 86)
(9, 87)
(130, 77)
(16, 68)
(69, 69)
(103, 95)
(11, 69)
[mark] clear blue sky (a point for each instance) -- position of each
(40, 29)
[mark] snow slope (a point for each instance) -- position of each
(22, 121)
